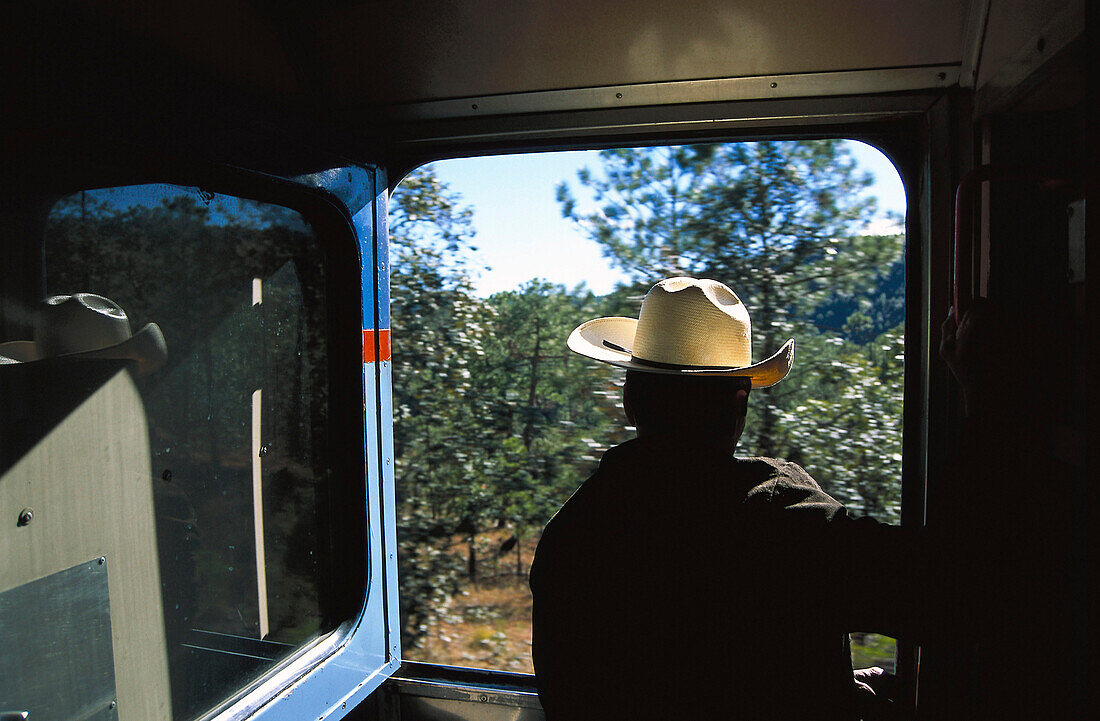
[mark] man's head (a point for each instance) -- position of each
(686, 327)
(688, 357)
(708, 409)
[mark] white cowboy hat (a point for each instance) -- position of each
(685, 327)
(86, 325)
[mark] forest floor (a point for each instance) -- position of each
(489, 624)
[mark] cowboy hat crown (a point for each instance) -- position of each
(686, 327)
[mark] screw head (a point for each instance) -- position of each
(101, 560)
(25, 517)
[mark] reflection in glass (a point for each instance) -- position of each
(236, 415)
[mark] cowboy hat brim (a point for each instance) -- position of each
(609, 340)
(146, 348)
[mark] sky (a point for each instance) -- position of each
(521, 234)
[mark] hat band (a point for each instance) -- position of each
(659, 364)
(677, 366)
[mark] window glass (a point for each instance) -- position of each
(236, 415)
(496, 260)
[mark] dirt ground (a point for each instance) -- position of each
(489, 624)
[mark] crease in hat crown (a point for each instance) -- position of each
(87, 325)
(79, 323)
(686, 326)
(689, 322)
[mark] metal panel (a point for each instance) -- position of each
(424, 708)
(428, 701)
(56, 655)
(74, 447)
(976, 21)
(694, 91)
(436, 50)
(419, 142)
(351, 54)
(1020, 36)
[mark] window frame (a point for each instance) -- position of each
(903, 127)
(345, 204)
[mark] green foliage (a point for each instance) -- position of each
(871, 649)
(493, 416)
(842, 420)
(781, 223)
(437, 322)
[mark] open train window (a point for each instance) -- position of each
(177, 484)
(494, 260)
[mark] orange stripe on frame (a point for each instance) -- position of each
(383, 345)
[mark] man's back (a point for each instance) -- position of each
(679, 582)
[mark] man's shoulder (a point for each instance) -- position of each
(789, 486)
(636, 459)
(779, 473)
(634, 471)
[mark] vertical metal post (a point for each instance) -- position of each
(257, 486)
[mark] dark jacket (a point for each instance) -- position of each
(681, 583)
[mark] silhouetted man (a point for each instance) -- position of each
(680, 581)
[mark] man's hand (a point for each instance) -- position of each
(874, 681)
(875, 695)
(989, 354)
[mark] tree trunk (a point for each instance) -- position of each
(471, 558)
(532, 391)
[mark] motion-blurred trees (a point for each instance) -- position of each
(782, 223)
(437, 334)
(496, 422)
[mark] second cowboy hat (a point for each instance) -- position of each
(685, 327)
(87, 325)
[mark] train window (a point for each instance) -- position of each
(196, 475)
(495, 260)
